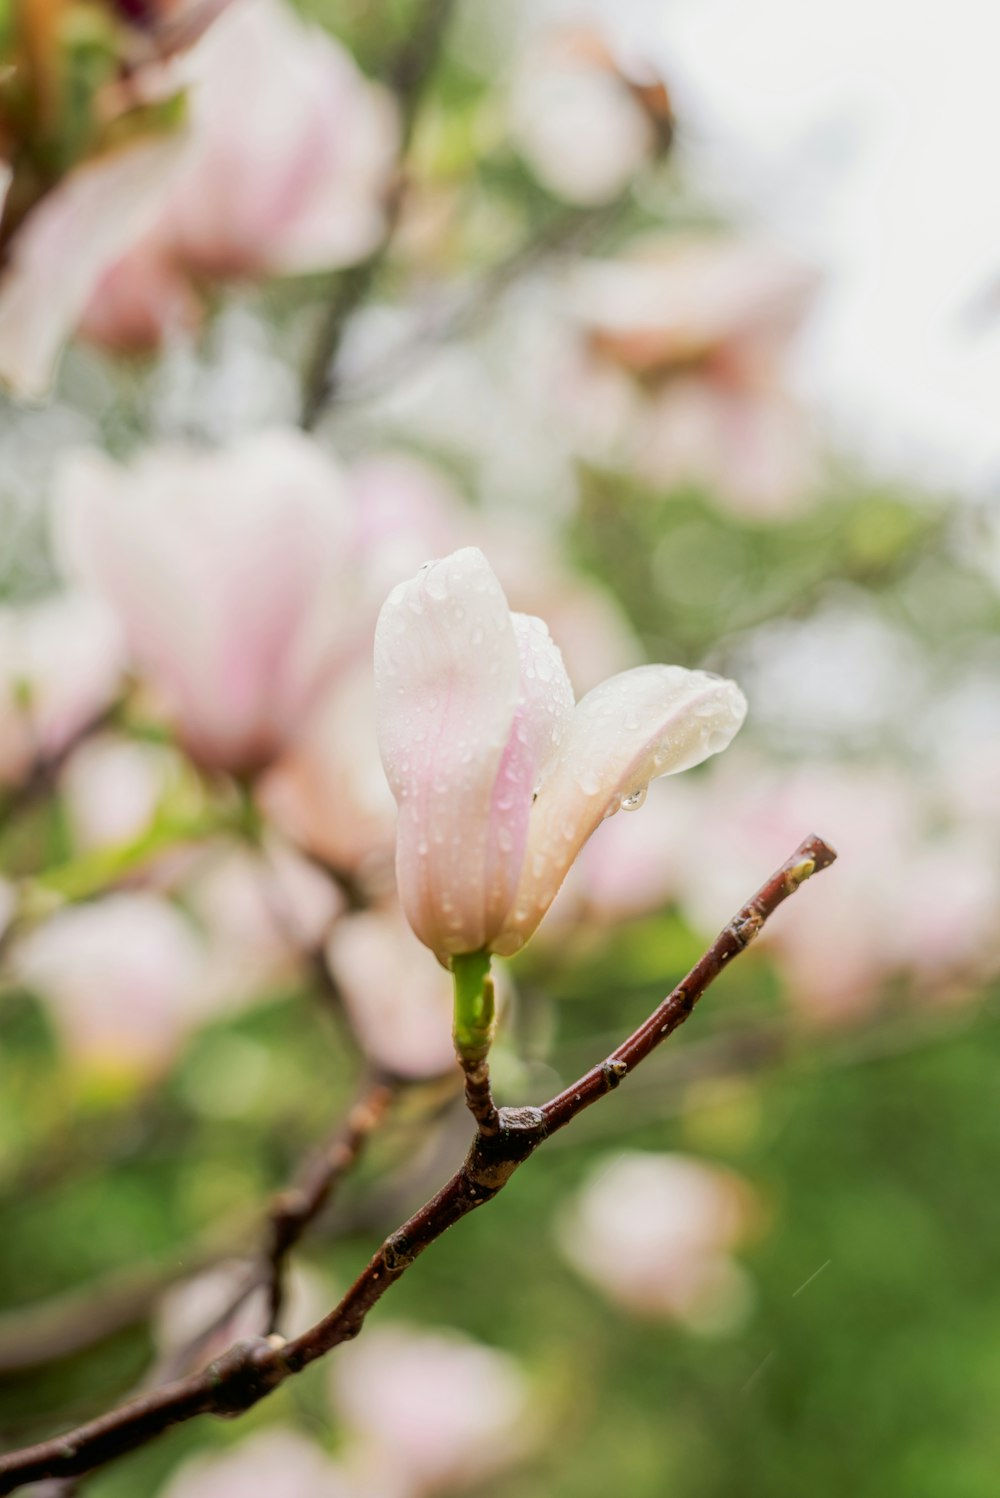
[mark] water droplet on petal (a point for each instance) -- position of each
(634, 800)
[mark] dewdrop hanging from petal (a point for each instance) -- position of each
(499, 777)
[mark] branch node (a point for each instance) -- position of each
(799, 873)
(243, 1375)
(251, 1369)
(397, 1253)
(749, 923)
(614, 1071)
(522, 1120)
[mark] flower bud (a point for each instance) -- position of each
(499, 778)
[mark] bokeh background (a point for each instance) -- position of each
(687, 314)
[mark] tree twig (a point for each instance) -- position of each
(253, 1369)
(479, 1095)
(71, 1323)
(293, 1210)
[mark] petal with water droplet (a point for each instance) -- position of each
(544, 711)
(443, 744)
(651, 721)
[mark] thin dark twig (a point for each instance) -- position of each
(291, 1213)
(250, 1370)
(568, 231)
(479, 1095)
(293, 1210)
(406, 75)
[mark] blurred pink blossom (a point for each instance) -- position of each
(128, 977)
(124, 980)
(584, 123)
(292, 150)
(61, 664)
(500, 778)
(288, 168)
(141, 300)
(67, 242)
(696, 333)
(192, 1306)
(398, 999)
(906, 897)
(407, 512)
(273, 1463)
(328, 792)
(111, 787)
(656, 1233)
(429, 1411)
(261, 913)
(232, 577)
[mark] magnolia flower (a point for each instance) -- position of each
(499, 778)
(656, 1233)
(231, 576)
(284, 164)
(430, 1412)
(272, 1463)
(123, 978)
(583, 121)
(292, 150)
(288, 169)
(66, 244)
(626, 871)
(696, 331)
(327, 791)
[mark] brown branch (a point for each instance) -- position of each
(71, 1323)
(293, 1210)
(479, 1095)
(406, 75)
(291, 1213)
(252, 1369)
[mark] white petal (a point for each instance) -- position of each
(66, 244)
(652, 721)
(447, 682)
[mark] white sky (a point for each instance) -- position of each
(866, 134)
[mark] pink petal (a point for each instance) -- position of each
(440, 1408)
(398, 999)
(543, 713)
(231, 577)
(296, 181)
(651, 721)
(64, 247)
(447, 679)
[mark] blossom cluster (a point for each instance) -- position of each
(366, 709)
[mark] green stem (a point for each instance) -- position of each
(474, 1007)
